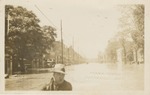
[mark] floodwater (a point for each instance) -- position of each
(92, 77)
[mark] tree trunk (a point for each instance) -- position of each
(136, 57)
(125, 59)
(22, 64)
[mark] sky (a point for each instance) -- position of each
(87, 24)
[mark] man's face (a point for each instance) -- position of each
(59, 77)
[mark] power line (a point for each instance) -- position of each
(46, 17)
(50, 21)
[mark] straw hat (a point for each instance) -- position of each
(59, 68)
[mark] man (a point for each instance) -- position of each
(57, 82)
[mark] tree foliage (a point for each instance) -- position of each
(132, 28)
(111, 50)
(132, 23)
(138, 34)
(24, 36)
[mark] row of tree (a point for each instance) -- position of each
(130, 36)
(27, 42)
(70, 56)
(25, 39)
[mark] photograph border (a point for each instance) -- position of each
(146, 52)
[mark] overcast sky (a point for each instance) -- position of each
(90, 23)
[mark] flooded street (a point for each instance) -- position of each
(100, 77)
(84, 77)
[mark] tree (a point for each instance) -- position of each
(132, 26)
(123, 38)
(138, 34)
(111, 50)
(24, 36)
(49, 36)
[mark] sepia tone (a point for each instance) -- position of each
(32, 50)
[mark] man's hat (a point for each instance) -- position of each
(59, 68)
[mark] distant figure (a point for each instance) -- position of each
(19, 69)
(26, 69)
(57, 82)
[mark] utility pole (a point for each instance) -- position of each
(78, 56)
(73, 49)
(61, 42)
(9, 64)
(68, 56)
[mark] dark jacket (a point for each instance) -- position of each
(65, 86)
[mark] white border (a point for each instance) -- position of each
(147, 53)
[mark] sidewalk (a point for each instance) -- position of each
(27, 81)
(30, 82)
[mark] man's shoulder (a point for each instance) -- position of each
(67, 85)
(48, 86)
